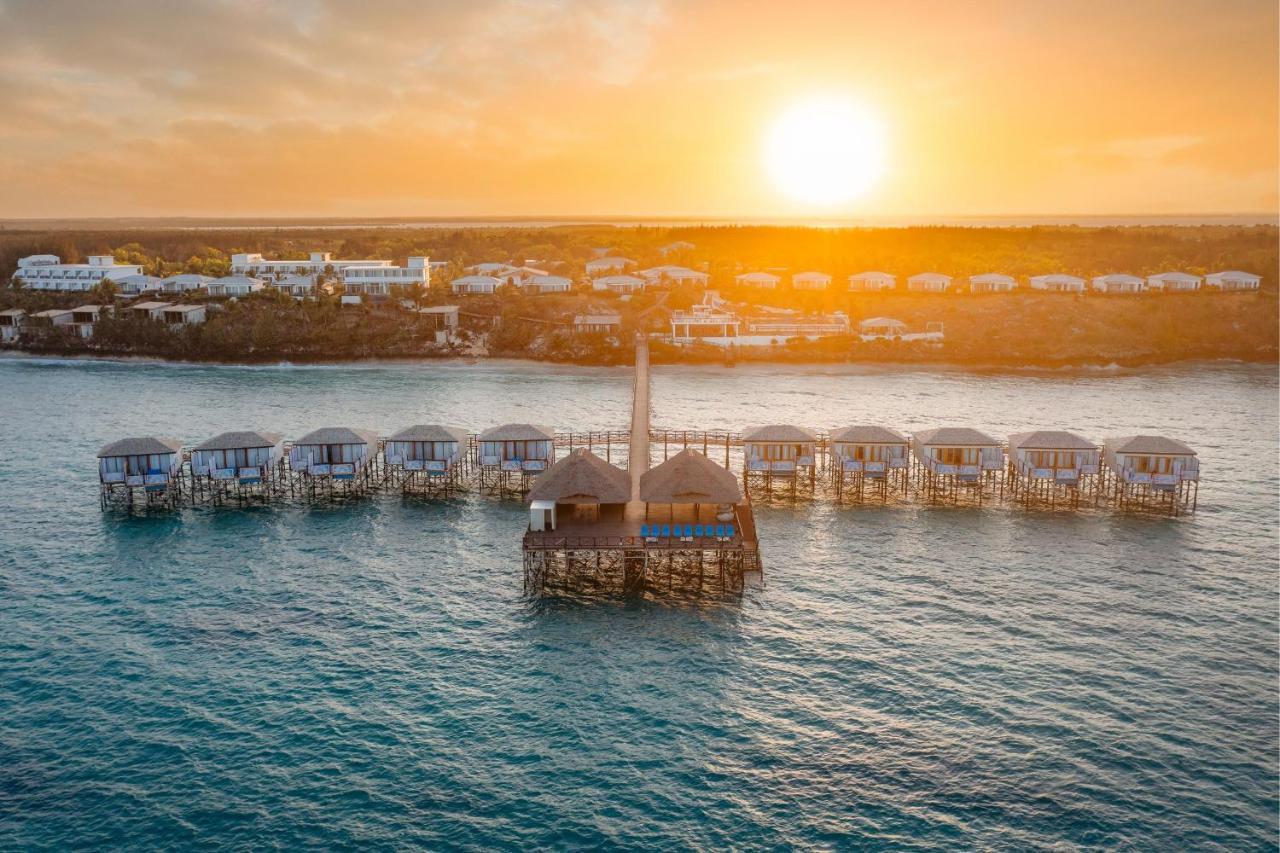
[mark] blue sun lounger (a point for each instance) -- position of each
(728, 531)
(666, 531)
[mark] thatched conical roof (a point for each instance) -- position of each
(687, 478)
(582, 478)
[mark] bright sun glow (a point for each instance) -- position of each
(825, 151)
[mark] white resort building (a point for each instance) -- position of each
(1057, 283)
(384, 278)
(48, 272)
(255, 266)
(929, 282)
(992, 282)
(597, 322)
(1232, 280)
(707, 322)
(670, 274)
(1173, 282)
(1119, 283)
(872, 282)
(761, 280)
(619, 283)
(133, 285)
(545, 283)
(185, 282)
(607, 264)
(234, 285)
(810, 281)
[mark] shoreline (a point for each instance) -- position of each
(834, 367)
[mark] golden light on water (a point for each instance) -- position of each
(825, 151)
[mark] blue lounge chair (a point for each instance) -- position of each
(728, 530)
(666, 531)
(697, 530)
(719, 531)
(688, 531)
(644, 531)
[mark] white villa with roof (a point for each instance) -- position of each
(929, 282)
(1121, 283)
(810, 281)
(619, 283)
(470, 285)
(992, 282)
(872, 281)
(762, 280)
(1057, 283)
(1231, 280)
(1173, 282)
(673, 274)
(609, 263)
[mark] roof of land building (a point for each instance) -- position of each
(582, 478)
(518, 432)
(240, 440)
(778, 432)
(868, 434)
(339, 435)
(955, 437)
(431, 432)
(140, 446)
(1149, 444)
(1050, 439)
(689, 477)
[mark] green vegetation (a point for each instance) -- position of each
(1012, 329)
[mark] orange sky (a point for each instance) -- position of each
(632, 108)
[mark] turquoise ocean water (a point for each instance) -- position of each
(370, 675)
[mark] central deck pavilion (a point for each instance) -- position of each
(685, 526)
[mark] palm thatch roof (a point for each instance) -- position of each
(582, 478)
(779, 433)
(1050, 439)
(431, 432)
(339, 435)
(140, 446)
(240, 440)
(954, 437)
(518, 432)
(689, 477)
(868, 434)
(1149, 444)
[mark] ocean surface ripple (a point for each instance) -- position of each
(369, 675)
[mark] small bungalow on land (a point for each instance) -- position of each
(580, 487)
(1232, 280)
(1173, 282)
(519, 276)
(619, 283)
(929, 282)
(11, 323)
(148, 310)
(235, 285)
(761, 280)
(671, 274)
(881, 329)
(872, 282)
(1119, 283)
(470, 285)
(185, 282)
(84, 317)
(610, 263)
(132, 285)
(247, 456)
(441, 319)
(677, 246)
(183, 315)
(148, 462)
(810, 281)
(52, 317)
(548, 284)
(492, 268)
(337, 452)
(1057, 283)
(299, 286)
(595, 322)
(992, 283)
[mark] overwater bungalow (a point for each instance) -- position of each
(334, 457)
(810, 281)
(511, 454)
(1151, 471)
(1057, 283)
(778, 451)
(11, 320)
(239, 464)
(948, 458)
(1173, 282)
(929, 282)
(1233, 280)
(428, 458)
(1051, 466)
(868, 455)
(581, 494)
(992, 283)
(872, 281)
(1119, 283)
(149, 465)
(760, 280)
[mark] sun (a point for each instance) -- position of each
(825, 151)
